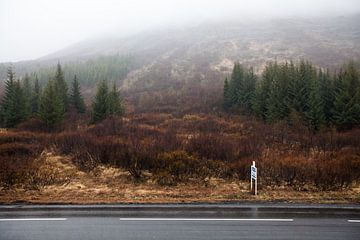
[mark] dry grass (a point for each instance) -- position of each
(112, 185)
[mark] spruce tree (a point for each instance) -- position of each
(262, 93)
(227, 103)
(236, 84)
(326, 86)
(13, 102)
(248, 90)
(346, 113)
(100, 103)
(61, 86)
(7, 103)
(27, 95)
(315, 113)
(51, 109)
(114, 103)
(35, 96)
(75, 97)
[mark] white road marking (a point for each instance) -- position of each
(31, 219)
(354, 221)
(208, 219)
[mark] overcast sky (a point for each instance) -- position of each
(32, 28)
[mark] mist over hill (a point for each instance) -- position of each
(205, 53)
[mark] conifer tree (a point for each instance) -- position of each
(7, 103)
(27, 95)
(13, 102)
(248, 90)
(315, 113)
(346, 113)
(35, 96)
(100, 103)
(51, 108)
(227, 95)
(61, 86)
(326, 86)
(75, 97)
(114, 103)
(236, 84)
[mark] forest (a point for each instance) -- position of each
(299, 123)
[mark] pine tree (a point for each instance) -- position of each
(100, 103)
(75, 97)
(35, 96)
(27, 95)
(61, 86)
(346, 113)
(114, 103)
(326, 86)
(236, 84)
(248, 90)
(227, 103)
(51, 109)
(13, 102)
(277, 104)
(7, 103)
(315, 113)
(262, 93)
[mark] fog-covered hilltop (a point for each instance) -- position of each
(206, 52)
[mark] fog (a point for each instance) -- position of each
(31, 29)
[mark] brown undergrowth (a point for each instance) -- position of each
(172, 157)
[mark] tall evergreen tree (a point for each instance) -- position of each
(326, 86)
(277, 105)
(51, 109)
(75, 97)
(27, 95)
(114, 103)
(61, 86)
(35, 96)
(315, 113)
(248, 90)
(346, 113)
(236, 84)
(13, 102)
(227, 103)
(100, 103)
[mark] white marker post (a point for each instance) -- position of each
(253, 171)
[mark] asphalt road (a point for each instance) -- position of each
(201, 221)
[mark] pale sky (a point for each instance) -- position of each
(30, 29)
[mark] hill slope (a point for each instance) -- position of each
(206, 52)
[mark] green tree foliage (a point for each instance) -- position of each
(114, 103)
(35, 96)
(227, 95)
(61, 86)
(346, 112)
(100, 103)
(315, 113)
(262, 92)
(106, 103)
(76, 99)
(240, 90)
(287, 90)
(51, 109)
(13, 102)
(27, 95)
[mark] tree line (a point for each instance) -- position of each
(25, 99)
(289, 91)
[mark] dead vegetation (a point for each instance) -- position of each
(170, 157)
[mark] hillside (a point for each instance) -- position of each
(205, 53)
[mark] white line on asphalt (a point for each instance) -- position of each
(354, 221)
(208, 219)
(32, 219)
